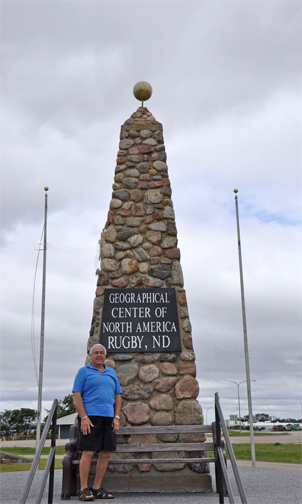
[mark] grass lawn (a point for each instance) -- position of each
(26, 450)
(268, 452)
(26, 467)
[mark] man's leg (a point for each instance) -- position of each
(101, 469)
(85, 467)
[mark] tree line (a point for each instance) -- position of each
(264, 417)
(23, 422)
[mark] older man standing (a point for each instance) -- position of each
(97, 399)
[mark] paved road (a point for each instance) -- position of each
(290, 437)
(30, 443)
(261, 485)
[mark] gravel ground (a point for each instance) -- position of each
(261, 485)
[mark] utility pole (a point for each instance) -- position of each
(246, 352)
(38, 433)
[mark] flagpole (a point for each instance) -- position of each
(38, 432)
(246, 352)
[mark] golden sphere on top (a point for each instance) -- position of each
(142, 91)
(45, 188)
(235, 191)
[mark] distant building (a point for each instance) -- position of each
(233, 420)
(64, 424)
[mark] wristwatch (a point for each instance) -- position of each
(116, 416)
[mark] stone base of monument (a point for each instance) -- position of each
(178, 481)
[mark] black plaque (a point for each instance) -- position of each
(140, 320)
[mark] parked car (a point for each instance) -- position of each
(278, 428)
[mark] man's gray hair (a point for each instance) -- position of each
(97, 344)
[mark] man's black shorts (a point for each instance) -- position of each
(101, 437)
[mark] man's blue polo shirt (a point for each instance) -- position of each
(97, 389)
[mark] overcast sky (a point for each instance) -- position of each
(226, 79)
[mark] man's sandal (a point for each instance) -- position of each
(101, 493)
(86, 495)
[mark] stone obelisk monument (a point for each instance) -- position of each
(140, 310)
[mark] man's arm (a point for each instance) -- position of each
(79, 406)
(117, 411)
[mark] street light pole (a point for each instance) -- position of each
(38, 432)
(238, 385)
(207, 413)
(247, 364)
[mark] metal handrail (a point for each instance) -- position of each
(50, 465)
(220, 424)
(225, 475)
